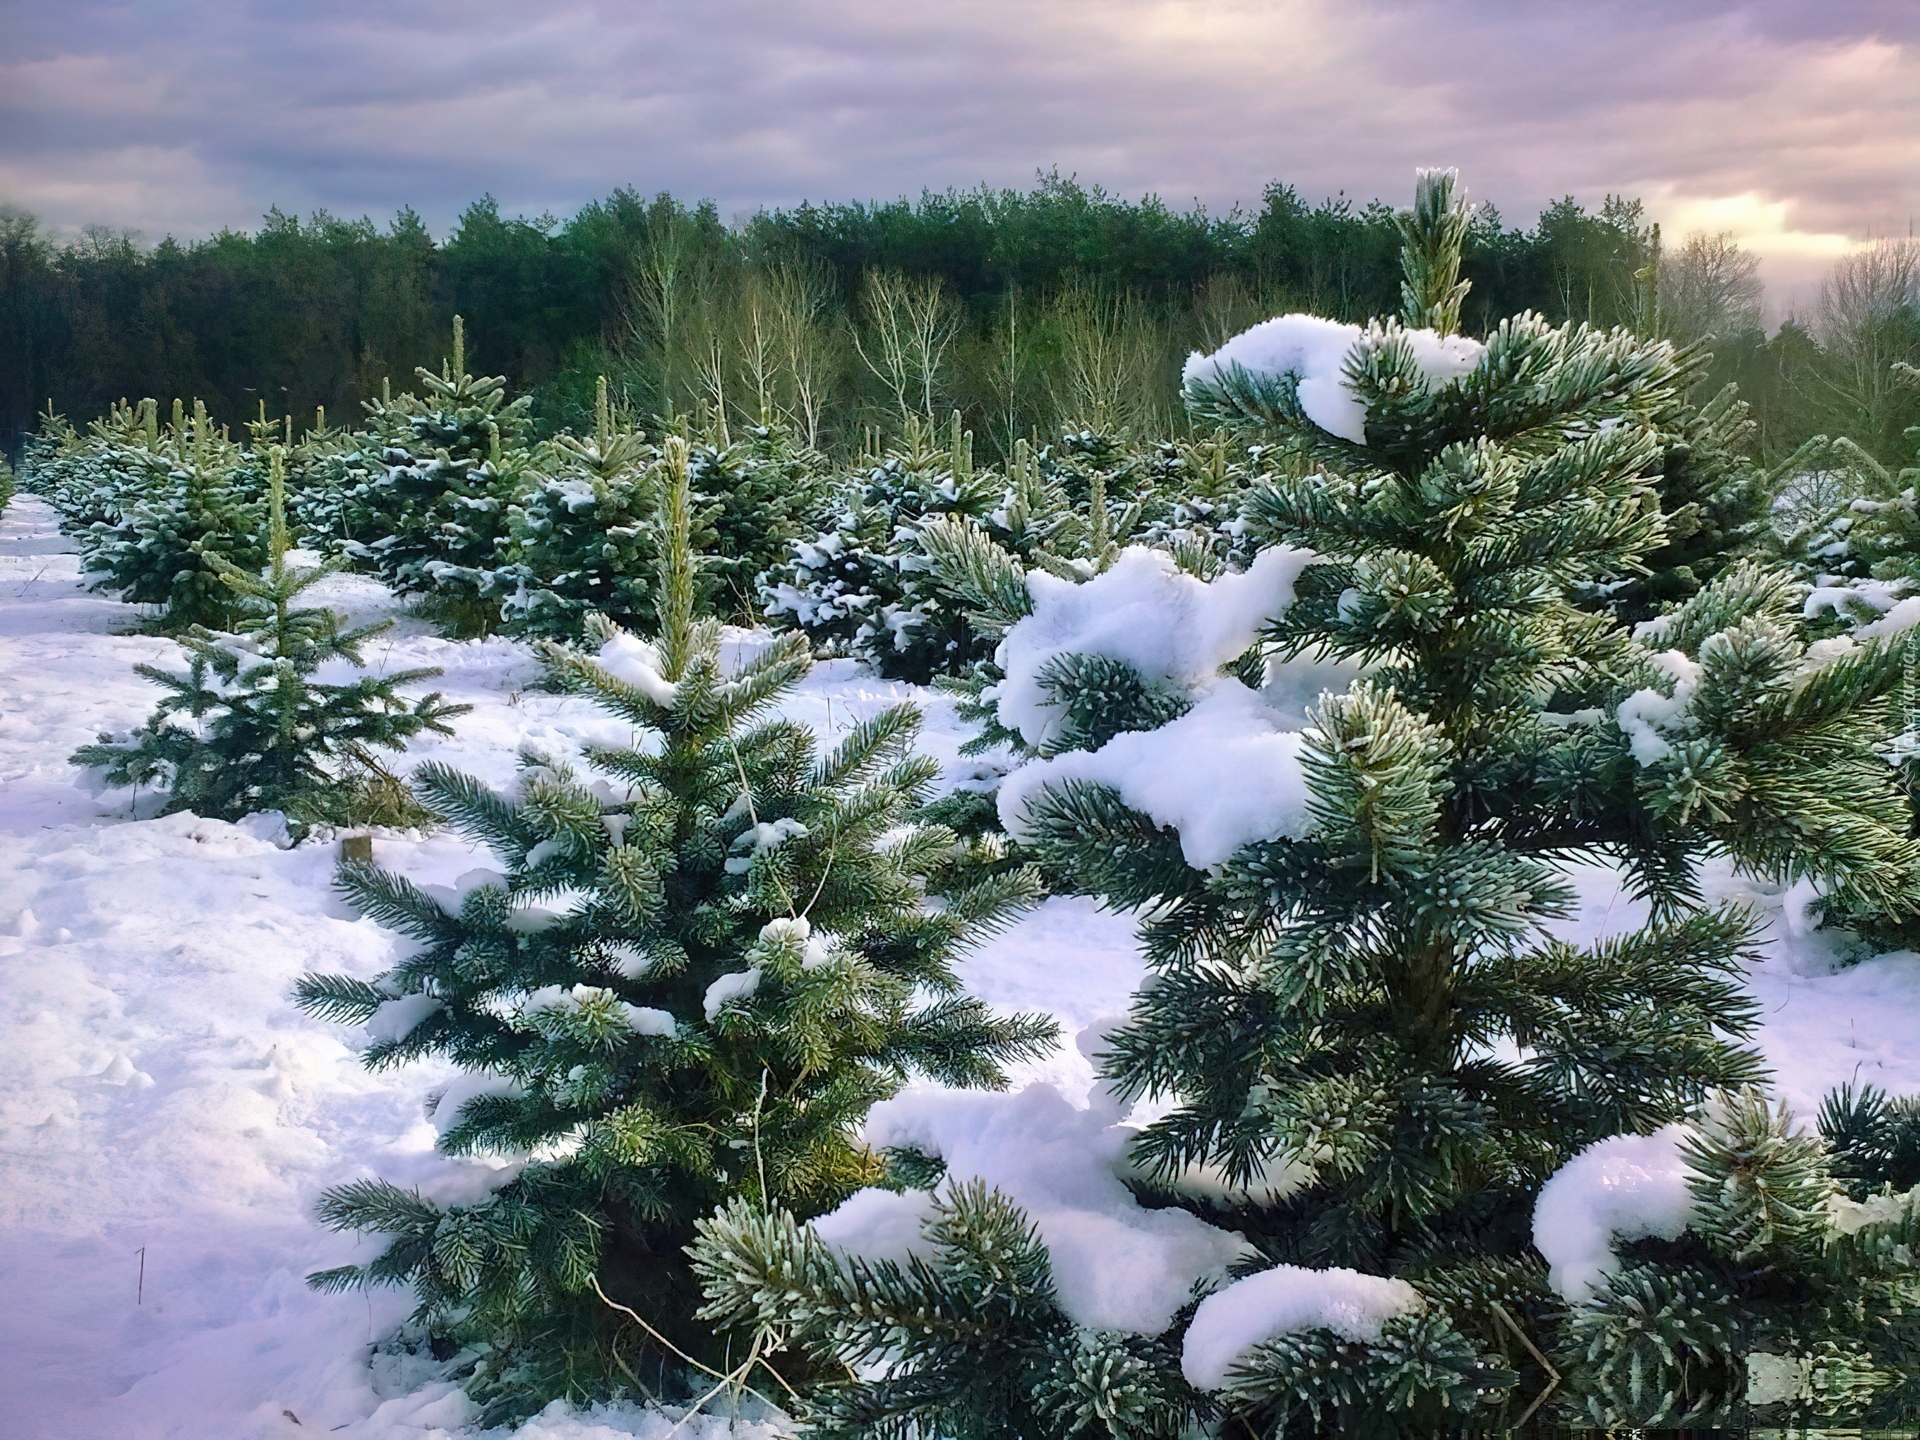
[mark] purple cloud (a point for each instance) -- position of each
(1799, 124)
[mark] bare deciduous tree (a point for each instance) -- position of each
(1708, 286)
(911, 322)
(1868, 323)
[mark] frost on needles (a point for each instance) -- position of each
(1377, 1052)
(697, 968)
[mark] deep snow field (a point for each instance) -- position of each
(167, 1117)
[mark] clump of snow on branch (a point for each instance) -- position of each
(1145, 611)
(641, 1019)
(1316, 352)
(1115, 1265)
(1625, 1187)
(1225, 774)
(639, 663)
(449, 1101)
(1282, 1301)
(396, 1019)
(1897, 611)
(1648, 718)
(735, 985)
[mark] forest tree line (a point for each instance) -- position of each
(1025, 310)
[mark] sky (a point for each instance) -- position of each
(1794, 124)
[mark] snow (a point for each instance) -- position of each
(1145, 611)
(1116, 1266)
(641, 1019)
(639, 663)
(395, 1020)
(1625, 1187)
(134, 949)
(1317, 352)
(735, 986)
(1648, 718)
(1225, 774)
(1283, 1301)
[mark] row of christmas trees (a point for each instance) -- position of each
(1403, 1120)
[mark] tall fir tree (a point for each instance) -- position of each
(746, 952)
(1379, 1051)
(276, 715)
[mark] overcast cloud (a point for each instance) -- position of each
(1794, 124)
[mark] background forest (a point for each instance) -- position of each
(1024, 311)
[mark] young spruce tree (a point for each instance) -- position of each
(1371, 1033)
(277, 715)
(694, 975)
(450, 465)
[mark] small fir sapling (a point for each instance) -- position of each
(450, 464)
(580, 537)
(1378, 1052)
(690, 979)
(861, 587)
(177, 506)
(277, 715)
(754, 496)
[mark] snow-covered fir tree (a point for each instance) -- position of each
(1378, 1051)
(281, 714)
(450, 464)
(755, 495)
(859, 588)
(580, 536)
(157, 509)
(698, 967)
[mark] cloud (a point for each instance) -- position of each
(1794, 125)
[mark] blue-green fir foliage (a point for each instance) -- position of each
(699, 965)
(1374, 1019)
(278, 715)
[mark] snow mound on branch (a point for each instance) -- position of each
(396, 1019)
(1315, 352)
(472, 1085)
(1625, 1187)
(1281, 1301)
(1225, 774)
(1144, 611)
(734, 985)
(639, 663)
(1647, 718)
(1115, 1265)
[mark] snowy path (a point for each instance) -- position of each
(158, 1090)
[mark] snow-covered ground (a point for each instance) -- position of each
(167, 1117)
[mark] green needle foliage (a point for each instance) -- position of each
(1717, 503)
(1375, 1020)
(1782, 1302)
(450, 464)
(694, 975)
(165, 509)
(988, 1354)
(581, 535)
(275, 715)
